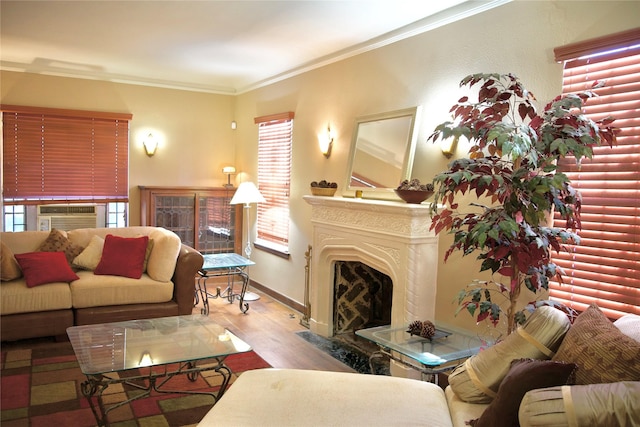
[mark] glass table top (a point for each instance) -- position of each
(113, 347)
(451, 346)
(224, 260)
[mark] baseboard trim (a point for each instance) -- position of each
(277, 296)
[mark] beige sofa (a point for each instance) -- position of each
(289, 397)
(164, 288)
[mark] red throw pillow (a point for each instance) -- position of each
(122, 256)
(40, 268)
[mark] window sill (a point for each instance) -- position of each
(271, 248)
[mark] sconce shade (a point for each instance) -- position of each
(247, 193)
(150, 145)
(448, 146)
(326, 142)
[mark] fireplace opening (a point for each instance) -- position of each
(362, 297)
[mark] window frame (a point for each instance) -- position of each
(275, 146)
(604, 268)
(42, 147)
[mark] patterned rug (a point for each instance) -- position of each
(41, 388)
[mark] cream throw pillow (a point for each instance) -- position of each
(90, 256)
(607, 404)
(478, 379)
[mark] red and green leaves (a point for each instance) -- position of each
(512, 170)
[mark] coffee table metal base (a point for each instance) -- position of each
(158, 376)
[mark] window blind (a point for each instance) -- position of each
(64, 155)
(275, 136)
(605, 266)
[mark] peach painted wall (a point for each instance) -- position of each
(196, 139)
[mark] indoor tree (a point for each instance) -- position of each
(512, 170)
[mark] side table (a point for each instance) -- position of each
(432, 356)
(230, 265)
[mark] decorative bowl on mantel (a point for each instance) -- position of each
(323, 188)
(320, 191)
(413, 196)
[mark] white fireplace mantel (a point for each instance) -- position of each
(392, 237)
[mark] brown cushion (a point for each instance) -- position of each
(603, 353)
(9, 267)
(524, 375)
(57, 242)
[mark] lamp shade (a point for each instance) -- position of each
(247, 193)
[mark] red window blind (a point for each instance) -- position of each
(64, 155)
(605, 267)
(275, 137)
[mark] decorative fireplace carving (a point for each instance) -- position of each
(391, 237)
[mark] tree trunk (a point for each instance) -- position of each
(513, 299)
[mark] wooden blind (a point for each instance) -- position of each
(52, 155)
(605, 267)
(275, 137)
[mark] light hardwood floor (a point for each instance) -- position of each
(270, 328)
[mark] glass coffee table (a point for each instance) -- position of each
(433, 356)
(154, 351)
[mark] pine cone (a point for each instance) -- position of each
(428, 329)
(424, 329)
(415, 328)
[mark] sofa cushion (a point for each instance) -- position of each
(9, 267)
(40, 268)
(98, 290)
(524, 375)
(57, 241)
(461, 411)
(478, 379)
(122, 256)
(603, 353)
(89, 258)
(608, 404)
(294, 397)
(162, 261)
(164, 254)
(17, 298)
(23, 241)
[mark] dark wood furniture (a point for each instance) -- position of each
(201, 216)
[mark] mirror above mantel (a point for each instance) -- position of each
(382, 151)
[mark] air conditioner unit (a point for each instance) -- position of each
(66, 217)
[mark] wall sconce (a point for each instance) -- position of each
(150, 145)
(448, 146)
(234, 125)
(326, 142)
(229, 170)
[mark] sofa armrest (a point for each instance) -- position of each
(187, 266)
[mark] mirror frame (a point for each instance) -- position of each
(384, 193)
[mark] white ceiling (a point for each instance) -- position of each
(210, 46)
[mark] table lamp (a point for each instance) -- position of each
(246, 194)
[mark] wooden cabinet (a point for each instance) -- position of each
(201, 216)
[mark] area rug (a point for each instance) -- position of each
(41, 388)
(356, 357)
